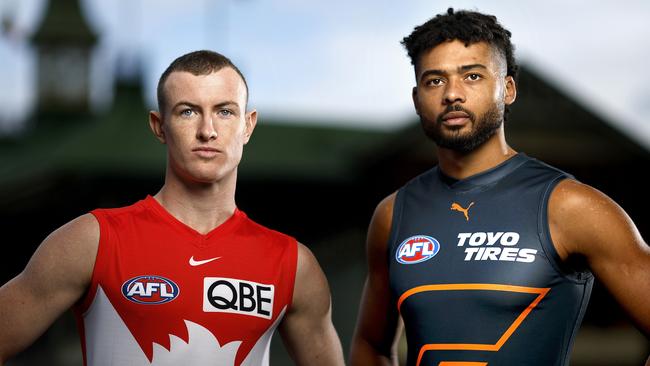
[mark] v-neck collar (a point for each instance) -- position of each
(486, 177)
(227, 226)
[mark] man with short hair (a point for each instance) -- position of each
(488, 257)
(183, 277)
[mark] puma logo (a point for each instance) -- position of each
(456, 207)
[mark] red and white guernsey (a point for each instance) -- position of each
(164, 294)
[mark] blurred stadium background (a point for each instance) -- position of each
(78, 80)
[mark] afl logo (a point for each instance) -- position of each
(150, 290)
(417, 249)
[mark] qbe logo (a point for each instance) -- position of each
(417, 249)
(150, 289)
(229, 295)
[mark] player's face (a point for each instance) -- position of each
(205, 124)
(461, 94)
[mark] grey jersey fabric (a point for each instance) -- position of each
(474, 273)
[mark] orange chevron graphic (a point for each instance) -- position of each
(541, 292)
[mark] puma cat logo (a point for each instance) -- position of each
(457, 207)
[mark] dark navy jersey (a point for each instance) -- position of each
(473, 271)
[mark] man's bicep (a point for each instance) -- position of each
(311, 298)
(620, 259)
(53, 280)
(591, 225)
(23, 316)
(308, 321)
(377, 323)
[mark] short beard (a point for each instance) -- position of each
(486, 127)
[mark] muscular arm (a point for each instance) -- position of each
(376, 334)
(585, 222)
(307, 329)
(56, 276)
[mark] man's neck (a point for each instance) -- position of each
(462, 165)
(201, 206)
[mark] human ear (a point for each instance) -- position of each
(251, 122)
(510, 90)
(155, 123)
(416, 104)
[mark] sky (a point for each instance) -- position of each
(340, 62)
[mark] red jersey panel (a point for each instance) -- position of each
(164, 294)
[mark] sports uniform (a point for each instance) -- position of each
(164, 294)
(474, 273)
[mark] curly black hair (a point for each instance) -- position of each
(466, 26)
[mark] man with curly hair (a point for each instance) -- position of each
(489, 257)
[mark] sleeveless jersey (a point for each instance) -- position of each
(164, 294)
(473, 271)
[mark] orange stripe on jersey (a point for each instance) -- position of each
(476, 286)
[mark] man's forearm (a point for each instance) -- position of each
(362, 353)
(330, 352)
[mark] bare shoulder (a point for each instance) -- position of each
(78, 231)
(311, 292)
(56, 277)
(384, 210)
(307, 262)
(571, 194)
(67, 254)
(582, 220)
(381, 223)
(585, 222)
(77, 239)
(308, 272)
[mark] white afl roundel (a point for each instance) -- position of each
(417, 249)
(150, 289)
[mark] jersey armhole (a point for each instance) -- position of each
(293, 261)
(394, 226)
(544, 232)
(86, 301)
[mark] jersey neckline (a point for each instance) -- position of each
(227, 226)
(486, 177)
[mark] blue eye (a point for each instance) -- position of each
(225, 112)
(187, 112)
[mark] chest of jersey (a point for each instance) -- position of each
(202, 278)
(176, 290)
(474, 275)
(494, 238)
